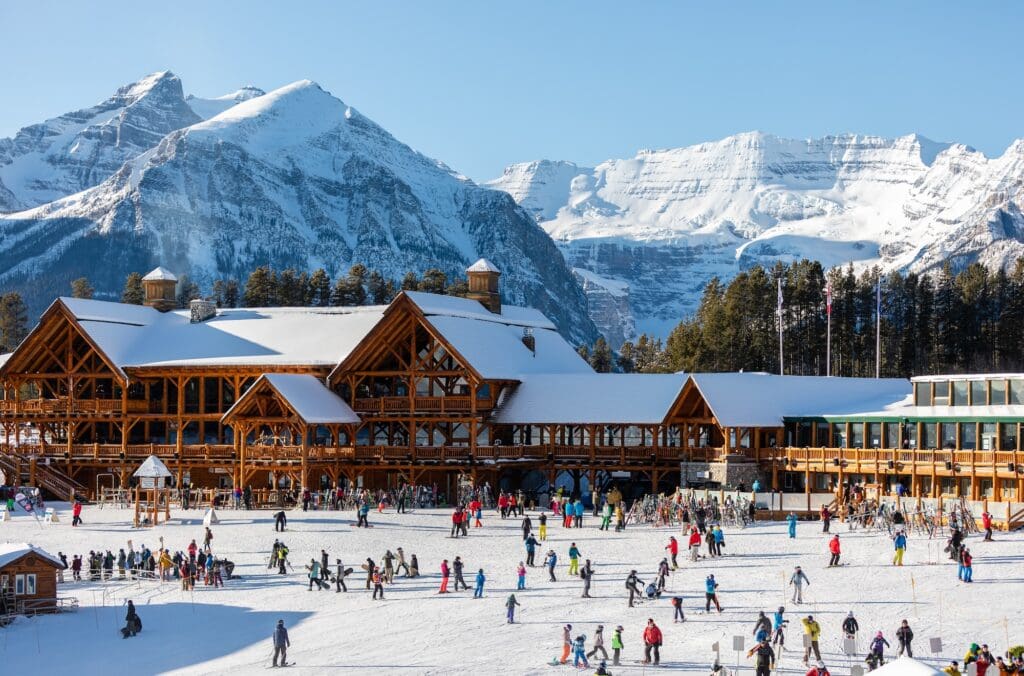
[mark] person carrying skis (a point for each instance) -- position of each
(579, 652)
(457, 567)
(521, 577)
(711, 594)
(531, 548)
(762, 628)
(779, 627)
(339, 577)
(633, 585)
(834, 550)
(798, 580)
(281, 644)
(791, 519)
(764, 658)
(616, 645)
(478, 590)
(550, 560)
(673, 550)
(813, 630)
(542, 527)
(652, 642)
(598, 643)
(445, 572)
(877, 650)
(510, 605)
(904, 635)
(574, 559)
(850, 626)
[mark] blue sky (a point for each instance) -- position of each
(483, 84)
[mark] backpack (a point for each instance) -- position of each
(677, 601)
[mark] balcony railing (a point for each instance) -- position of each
(66, 406)
(384, 405)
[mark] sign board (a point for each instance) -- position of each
(3, 513)
(714, 646)
(147, 482)
(807, 640)
(849, 646)
(856, 670)
(936, 645)
(218, 470)
(50, 516)
(972, 669)
(737, 643)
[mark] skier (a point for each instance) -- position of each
(877, 650)
(339, 578)
(677, 604)
(280, 521)
(550, 560)
(282, 558)
(598, 643)
(764, 660)
(574, 559)
(798, 579)
(531, 547)
(511, 604)
(812, 629)
(826, 518)
(478, 591)
(779, 627)
(711, 594)
(527, 527)
(673, 550)
(542, 527)
(791, 519)
(900, 543)
(378, 583)
(904, 635)
(445, 571)
(652, 642)
(762, 628)
(579, 649)
(281, 644)
(76, 511)
(833, 548)
(616, 645)
(606, 516)
(457, 567)
(633, 585)
(850, 626)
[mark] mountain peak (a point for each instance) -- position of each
(163, 80)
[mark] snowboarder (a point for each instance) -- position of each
(478, 591)
(833, 548)
(280, 521)
(378, 583)
(673, 550)
(616, 645)
(633, 585)
(904, 635)
(314, 575)
(566, 643)
(550, 561)
(798, 580)
(339, 577)
(652, 642)
(764, 658)
(791, 519)
(531, 548)
(900, 543)
(511, 604)
(598, 643)
(281, 644)
(711, 594)
(325, 566)
(812, 629)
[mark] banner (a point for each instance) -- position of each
(25, 503)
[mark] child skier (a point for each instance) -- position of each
(579, 649)
(478, 591)
(510, 605)
(521, 575)
(598, 643)
(877, 651)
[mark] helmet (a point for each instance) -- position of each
(782, 609)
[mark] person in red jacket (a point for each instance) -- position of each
(445, 571)
(986, 523)
(673, 549)
(652, 642)
(819, 670)
(694, 543)
(833, 547)
(76, 513)
(456, 521)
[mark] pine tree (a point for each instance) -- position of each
(319, 288)
(187, 291)
(133, 293)
(410, 282)
(231, 293)
(81, 288)
(376, 289)
(13, 321)
(434, 281)
(261, 288)
(584, 352)
(601, 356)
(357, 283)
(460, 287)
(624, 360)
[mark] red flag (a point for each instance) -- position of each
(828, 298)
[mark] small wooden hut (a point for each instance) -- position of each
(151, 492)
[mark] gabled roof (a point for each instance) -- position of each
(592, 398)
(12, 551)
(454, 306)
(160, 273)
(764, 400)
(306, 395)
(483, 265)
(152, 468)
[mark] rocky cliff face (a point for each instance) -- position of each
(291, 178)
(664, 222)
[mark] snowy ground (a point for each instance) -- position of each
(415, 631)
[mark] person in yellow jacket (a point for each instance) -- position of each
(953, 669)
(812, 629)
(166, 565)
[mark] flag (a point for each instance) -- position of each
(25, 503)
(779, 308)
(878, 299)
(828, 298)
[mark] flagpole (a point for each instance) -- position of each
(779, 312)
(828, 332)
(878, 329)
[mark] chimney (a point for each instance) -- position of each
(482, 277)
(159, 289)
(200, 310)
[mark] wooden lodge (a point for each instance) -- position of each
(28, 581)
(432, 387)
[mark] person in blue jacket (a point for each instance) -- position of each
(478, 592)
(900, 542)
(577, 509)
(364, 511)
(791, 519)
(551, 560)
(579, 649)
(778, 628)
(711, 594)
(531, 549)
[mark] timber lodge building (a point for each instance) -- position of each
(432, 387)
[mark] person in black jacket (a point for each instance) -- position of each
(850, 626)
(133, 624)
(457, 566)
(905, 635)
(633, 585)
(764, 659)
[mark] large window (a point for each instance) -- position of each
(856, 435)
(988, 436)
(875, 435)
(839, 435)
(910, 435)
(1008, 436)
(922, 394)
(942, 393)
(968, 436)
(822, 436)
(1017, 391)
(959, 393)
(928, 436)
(892, 435)
(978, 394)
(997, 392)
(949, 435)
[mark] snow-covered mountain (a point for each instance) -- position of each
(646, 234)
(296, 178)
(207, 108)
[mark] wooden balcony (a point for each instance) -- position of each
(386, 405)
(42, 407)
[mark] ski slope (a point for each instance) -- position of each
(416, 631)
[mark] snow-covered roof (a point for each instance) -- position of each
(970, 376)
(907, 666)
(139, 336)
(308, 397)
(12, 551)
(483, 265)
(638, 398)
(160, 273)
(454, 306)
(152, 468)
(764, 400)
(906, 409)
(4, 357)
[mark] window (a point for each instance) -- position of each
(928, 438)
(922, 394)
(4, 582)
(1008, 436)
(910, 435)
(997, 392)
(949, 435)
(1017, 391)
(968, 436)
(942, 393)
(744, 441)
(822, 436)
(839, 435)
(856, 435)
(978, 394)
(959, 393)
(19, 585)
(875, 435)
(803, 434)
(30, 584)
(892, 435)
(634, 436)
(988, 436)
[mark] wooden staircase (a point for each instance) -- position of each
(60, 485)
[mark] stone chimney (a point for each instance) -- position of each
(159, 289)
(482, 277)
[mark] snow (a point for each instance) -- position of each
(207, 108)
(907, 666)
(483, 265)
(635, 398)
(454, 306)
(416, 632)
(152, 468)
(160, 273)
(763, 400)
(308, 397)
(12, 551)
